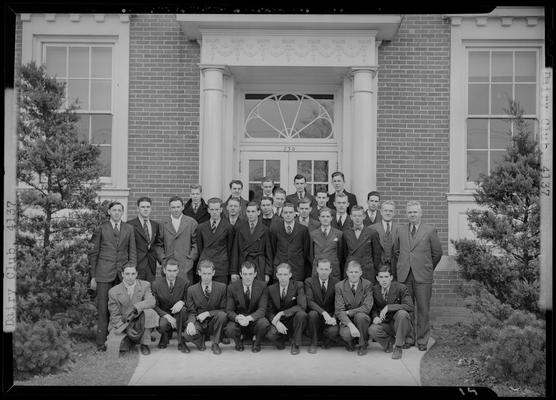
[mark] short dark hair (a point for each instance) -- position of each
(284, 265)
(304, 201)
(279, 190)
(338, 173)
(214, 200)
(115, 203)
(299, 176)
(384, 267)
(206, 263)
(355, 263)
(248, 265)
(171, 261)
(373, 193)
(253, 203)
(267, 198)
(144, 198)
(237, 182)
(196, 186)
(324, 260)
(287, 204)
(325, 209)
(357, 207)
(321, 189)
(233, 199)
(175, 198)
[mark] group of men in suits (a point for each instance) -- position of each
(277, 230)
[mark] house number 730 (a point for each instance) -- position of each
(289, 148)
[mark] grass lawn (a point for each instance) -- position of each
(454, 361)
(89, 368)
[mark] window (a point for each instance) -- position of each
(496, 76)
(86, 69)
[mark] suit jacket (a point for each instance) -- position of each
(180, 245)
(197, 303)
(351, 199)
(315, 299)
(268, 222)
(315, 212)
(217, 246)
(294, 301)
(348, 223)
(165, 299)
(202, 213)
(294, 199)
(236, 304)
(330, 247)
(345, 300)
(148, 251)
(312, 224)
(398, 298)
(293, 249)
(382, 237)
(367, 221)
(120, 304)
(254, 247)
(242, 207)
(366, 250)
(421, 253)
(108, 258)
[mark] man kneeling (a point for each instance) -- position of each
(131, 311)
(246, 308)
(391, 318)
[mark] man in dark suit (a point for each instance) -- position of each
(353, 304)
(196, 207)
(246, 308)
(233, 212)
(291, 244)
(391, 321)
(372, 215)
(267, 212)
(304, 215)
(206, 309)
(236, 187)
(113, 249)
(148, 242)
(215, 240)
(327, 242)
(339, 182)
(170, 292)
(387, 233)
(321, 198)
(279, 201)
(320, 292)
(267, 187)
(179, 236)
(286, 309)
(418, 251)
(362, 243)
(252, 243)
(300, 192)
(341, 220)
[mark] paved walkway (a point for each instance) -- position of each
(334, 366)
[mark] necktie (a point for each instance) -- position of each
(323, 288)
(289, 229)
(325, 231)
(207, 291)
(171, 286)
(388, 231)
(283, 294)
(388, 242)
(195, 207)
(384, 293)
(278, 211)
(353, 289)
(247, 297)
(117, 232)
(252, 227)
(146, 230)
(130, 291)
(413, 230)
(213, 226)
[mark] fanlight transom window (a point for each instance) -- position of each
(289, 116)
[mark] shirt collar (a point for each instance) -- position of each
(130, 286)
(168, 282)
(247, 287)
(115, 223)
(290, 224)
(142, 220)
(176, 219)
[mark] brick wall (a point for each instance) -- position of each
(163, 111)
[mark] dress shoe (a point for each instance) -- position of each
(389, 347)
(312, 349)
(327, 344)
(362, 350)
(162, 345)
(295, 349)
(145, 350)
(101, 347)
(407, 345)
(256, 348)
(216, 349)
(350, 346)
(239, 345)
(153, 338)
(201, 346)
(279, 344)
(397, 353)
(422, 347)
(183, 348)
(225, 340)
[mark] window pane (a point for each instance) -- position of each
(310, 122)
(502, 66)
(304, 168)
(101, 62)
(476, 164)
(321, 171)
(273, 169)
(309, 188)
(500, 135)
(255, 188)
(288, 106)
(531, 127)
(320, 186)
(101, 95)
(83, 127)
(255, 170)
(56, 61)
(101, 129)
(318, 129)
(525, 66)
(105, 160)
(495, 157)
(259, 129)
(79, 89)
(478, 99)
(477, 133)
(526, 96)
(501, 97)
(478, 66)
(78, 62)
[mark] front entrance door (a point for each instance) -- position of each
(282, 166)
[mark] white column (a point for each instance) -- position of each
(363, 134)
(211, 131)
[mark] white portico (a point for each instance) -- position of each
(288, 94)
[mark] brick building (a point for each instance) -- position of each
(410, 105)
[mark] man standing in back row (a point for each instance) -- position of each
(339, 182)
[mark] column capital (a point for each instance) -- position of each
(360, 69)
(214, 67)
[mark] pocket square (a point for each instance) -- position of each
(335, 239)
(293, 298)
